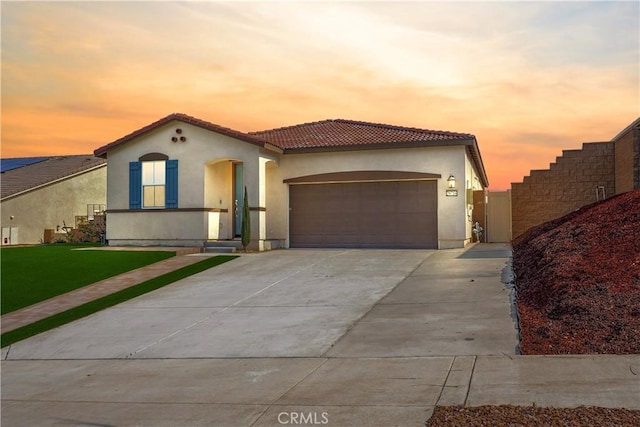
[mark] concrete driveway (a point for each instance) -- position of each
(304, 337)
(293, 303)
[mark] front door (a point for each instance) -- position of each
(238, 198)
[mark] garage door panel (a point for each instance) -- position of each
(364, 214)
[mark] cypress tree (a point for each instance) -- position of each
(246, 222)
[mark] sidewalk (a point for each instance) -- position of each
(55, 305)
(441, 336)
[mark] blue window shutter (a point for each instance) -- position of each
(171, 189)
(135, 185)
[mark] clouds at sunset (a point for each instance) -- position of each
(528, 79)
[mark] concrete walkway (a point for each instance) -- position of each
(294, 337)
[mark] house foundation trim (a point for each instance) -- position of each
(166, 210)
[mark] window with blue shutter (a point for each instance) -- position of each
(171, 192)
(135, 185)
(153, 184)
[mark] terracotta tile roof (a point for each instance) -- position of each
(29, 177)
(102, 151)
(350, 133)
(326, 135)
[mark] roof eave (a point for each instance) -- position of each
(477, 159)
(620, 134)
(102, 152)
(378, 146)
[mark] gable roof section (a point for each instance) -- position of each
(336, 133)
(30, 177)
(340, 134)
(102, 151)
(327, 135)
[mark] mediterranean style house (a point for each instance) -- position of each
(332, 183)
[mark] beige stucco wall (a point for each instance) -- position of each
(471, 182)
(444, 160)
(54, 205)
(160, 226)
(204, 182)
(201, 149)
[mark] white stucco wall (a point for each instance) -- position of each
(204, 182)
(54, 205)
(472, 181)
(438, 160)
(158, 227)
(201, 147)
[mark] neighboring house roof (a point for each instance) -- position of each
(38, 174)
(349, 133)
(102, 151)
(634, 125)
(9, 164)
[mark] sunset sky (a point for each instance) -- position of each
(527, 79)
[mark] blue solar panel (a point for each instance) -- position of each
(8, 164)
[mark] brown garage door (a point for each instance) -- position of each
(396, 214)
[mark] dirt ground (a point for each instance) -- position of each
(578, 281)
(532, 416)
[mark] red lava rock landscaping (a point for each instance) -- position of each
(578, 281)
(531, 416)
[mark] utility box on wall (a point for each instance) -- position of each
(9, 236)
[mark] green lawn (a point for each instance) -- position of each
(83, 310)
(32, 274)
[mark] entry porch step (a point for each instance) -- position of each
(222, 246)
(219, 249)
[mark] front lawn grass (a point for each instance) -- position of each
(110, 300)
(32, 274)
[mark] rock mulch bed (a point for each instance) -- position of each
(578, 281)
(578, 285)
(533, 416)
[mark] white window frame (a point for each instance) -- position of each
(154, 180)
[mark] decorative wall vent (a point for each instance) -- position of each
(178, 136)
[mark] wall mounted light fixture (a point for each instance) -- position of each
(451, 181)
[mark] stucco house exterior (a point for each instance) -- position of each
(49, 193)
(331, 183)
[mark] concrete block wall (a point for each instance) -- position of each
(627, 154)
(569, 183)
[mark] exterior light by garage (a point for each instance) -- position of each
(451, 181)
